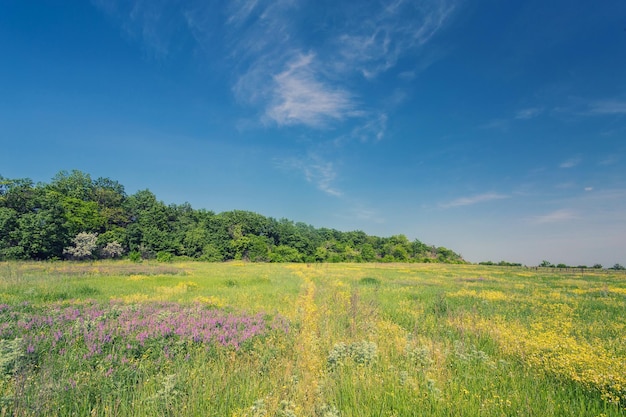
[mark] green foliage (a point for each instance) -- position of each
(369, 281)
(501, 263)
(8, 226)
(284, 253)
(82, 215)
(12, 355)
(164, 257)
(41, 222)
(211, 253)
(135, 256)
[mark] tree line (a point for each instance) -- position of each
(76, 217)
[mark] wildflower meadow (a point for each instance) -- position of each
(115, 338)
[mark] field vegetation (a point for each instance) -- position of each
(239, 339)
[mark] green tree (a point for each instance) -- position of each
(110, 197)
(81, 215)
(195, 241)
(150, 227)
(75, 184)
(284, 253)
(39, 221)
(367, 253)
(8, 234)
(210, 253)
(251, 248)
(41, 235)
(321, 254)
(400, 253)
(18, 194)
(36, 217)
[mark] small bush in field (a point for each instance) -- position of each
(135, 256)
(361, 353)
(369, 281)
(112, 250)
(85, 245)
(164, 257)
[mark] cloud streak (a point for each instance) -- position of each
(299, 97)
(570, 163)
(529, 113)
(556, 216)
(476, 199)
(608, 107)
(291, 72)
(312, 78)
(379, 39)
(316, 171)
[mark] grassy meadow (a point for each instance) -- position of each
(250, 340)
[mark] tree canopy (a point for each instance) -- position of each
(76, 217)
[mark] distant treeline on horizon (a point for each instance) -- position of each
(75, 217)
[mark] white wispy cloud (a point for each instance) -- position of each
(504, 124)
(471, 200)
(240, 10)
(379, 38)
(289, 86)
(299, 97)
(609, 160)
(570, 163)
(496, 124)
(556, 216)
(528, 113)
(367, 214)
(310, 81)
(373, 128)
(315, 170)
(151, 22)
(291, 69)
(607, 107)
(592, 108)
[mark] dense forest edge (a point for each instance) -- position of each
(75, 217)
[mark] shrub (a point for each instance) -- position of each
(135, 256)
(361, 353)
(369, 281)
(211, 254)
(84, 246)
(112, 250)
(164, 257)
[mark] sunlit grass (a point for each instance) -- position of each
(324, 340)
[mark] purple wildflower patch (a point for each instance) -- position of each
(124, 331)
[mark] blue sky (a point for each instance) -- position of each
(496, 129)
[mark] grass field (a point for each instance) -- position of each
(251, 340)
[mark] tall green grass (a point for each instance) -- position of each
(341, 340)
